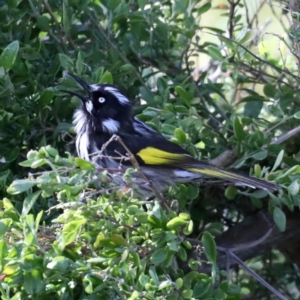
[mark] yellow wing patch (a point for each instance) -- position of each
(154, 156)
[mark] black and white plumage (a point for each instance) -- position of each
(105, 111)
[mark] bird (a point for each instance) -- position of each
(106, 112)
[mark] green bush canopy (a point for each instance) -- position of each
(68, 232)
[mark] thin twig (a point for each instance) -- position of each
(136, 165)
(255, 56)
(115, 48)
(286, 44)
(47, 6)
(229, 254)
(286, 136)
(252, 273)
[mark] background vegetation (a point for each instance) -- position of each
(226, 94)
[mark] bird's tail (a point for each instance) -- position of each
(237, 179)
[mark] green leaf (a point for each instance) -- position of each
(201, 287)
(32, 282)
(118, 240)
(38, 220)
(231, 192)
(180, 135)
(65, 61)
(27, 163)
(52, 151)
(79, 63)
(297, 115)
(168, 129)
(153, 274)
(215, 53)
(134, 295)
(184, 216)
(183, 95)
(260, 155)
(242, 33)
(182, 253)
(293, 188)
(63, 127)
(270, 90)
(29, 202)
(46, 96)
(66, 20)
(189, 228)
(219, 294)
(7, 204)
(209, 244)
(83, 164)
(38, 163)
(180, 6)
(278, 160)
(70, 232)
(106, 78)
(2, 230)
(279, 218)
(146, 94)
(252, 109)
(159, 256)
(257, 170)
(175, 223)
(42, 22)
(142, 3)
(187, 294)
(238, 129)
(3, 250)
(60, 263)
(19, 186)
(204, 8)
(9, 55)
(144, 279)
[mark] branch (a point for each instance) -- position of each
(233, 5)
(255, 56)
(255, 235)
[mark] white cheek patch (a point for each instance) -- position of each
(89, 106)
(80, 121)
(82, 146)
(81, 128)
(110, 125)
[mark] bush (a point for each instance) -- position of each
(67, 231)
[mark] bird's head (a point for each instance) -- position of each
(104, 105)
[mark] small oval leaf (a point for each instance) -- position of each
(238, 129)
(9, 55)
(210, 247)
(279, 218)
(19, 186)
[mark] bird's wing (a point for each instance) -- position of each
(151, 151)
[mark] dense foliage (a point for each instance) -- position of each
(66, 231)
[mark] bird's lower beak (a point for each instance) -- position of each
(81, 97)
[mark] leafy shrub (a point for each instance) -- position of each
(68, 232)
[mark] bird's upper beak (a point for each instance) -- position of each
(83, 84)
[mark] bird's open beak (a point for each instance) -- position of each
(83, 84)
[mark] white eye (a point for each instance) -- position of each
(101, 100)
